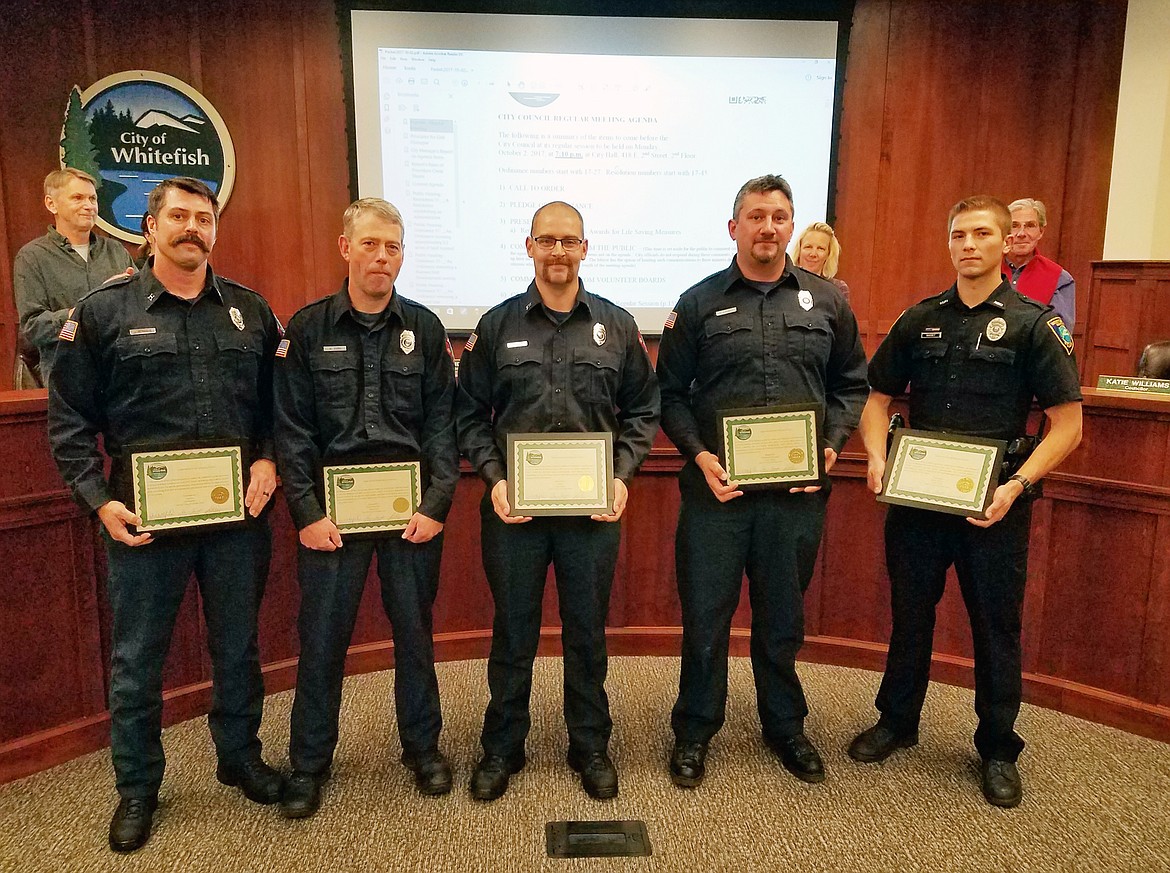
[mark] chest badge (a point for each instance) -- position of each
(804, 299)
(237, 318)
(996, 328)
(406, 341)
(599, 333)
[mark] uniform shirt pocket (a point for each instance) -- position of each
(519, 374)
(335, 378)
(239, 352)
(810, 336)
(928, 363)
(596, 375)
(402, 377)
(151, 357)
(990, 370)
(727, 340)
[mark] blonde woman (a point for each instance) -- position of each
(818, 251)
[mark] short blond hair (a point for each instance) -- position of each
(834, 258)
(58, 179)
(376, 205)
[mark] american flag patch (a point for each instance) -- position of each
(282, 349)
(68, 331)
(470, 344)
(670, 320)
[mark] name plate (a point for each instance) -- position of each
(941, 472)
(372, 498)
(188, 488)
(560, 474)
(1135, 385)
(771, 447)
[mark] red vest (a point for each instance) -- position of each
(1038, 278)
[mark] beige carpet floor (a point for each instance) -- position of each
(1096, 799)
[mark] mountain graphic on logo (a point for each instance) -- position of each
(158, 118)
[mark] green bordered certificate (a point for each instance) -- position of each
(560, 473)
(771, 447)
(188, 488)
(937, 471)
(370, 498)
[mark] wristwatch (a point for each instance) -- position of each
(1029, 488)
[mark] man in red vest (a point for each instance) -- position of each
(1032, 274)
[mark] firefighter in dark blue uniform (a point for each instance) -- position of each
(973, 357)
(365, 375)
(553, 359)
(759, 333)
(172, 356)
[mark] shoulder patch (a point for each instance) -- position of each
(68, 331)
(1056, 325)
(670, 320)
(470, 344)
(282, 349)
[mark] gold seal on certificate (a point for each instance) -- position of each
(771, 446)
(188, 488)
(560, 473)
(372, 498)
(941, 472)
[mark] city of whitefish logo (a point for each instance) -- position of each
(131, 131)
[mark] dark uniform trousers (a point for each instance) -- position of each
(331, 592)
(991, 564)
(774, 536)
(516, 558)
(146, 586)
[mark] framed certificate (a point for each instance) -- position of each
(372, 498)
(945, 473)
(771, 446)
(560, 473)
(188, 488)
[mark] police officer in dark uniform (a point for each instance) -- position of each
(973, 357)
(365, 375)
(169, 357)
(761, 332)
(553, 359)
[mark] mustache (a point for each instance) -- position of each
(191, 238)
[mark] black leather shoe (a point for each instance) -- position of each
(490, 779)
(302, 794)
(878, 743)
(688, 764)
(799, 757)
(130, 826)
(598, 775)
(1001, 783)
(432, 773)
(259, 782)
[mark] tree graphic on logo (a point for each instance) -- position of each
(77, 148)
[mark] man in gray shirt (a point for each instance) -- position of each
(56, 270)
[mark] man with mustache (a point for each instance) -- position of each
(365, 375)
(173, 357)
(554, 359)
(51, 273)
(757, 334)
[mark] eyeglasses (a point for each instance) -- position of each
(568, 243)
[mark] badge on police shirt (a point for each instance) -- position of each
(237, 318)
(599, 333)
(804, 299)
(996, 328)
(406, 341)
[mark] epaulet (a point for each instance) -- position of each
(1024, 298)
(237, 286)
(115, 282)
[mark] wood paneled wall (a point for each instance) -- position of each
(1130, 309)
(939, 103)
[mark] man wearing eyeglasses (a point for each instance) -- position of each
(553, 359)
(1028, 271)
(757, 334)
